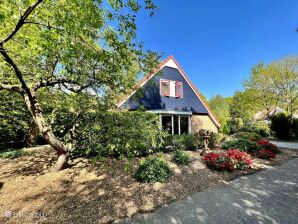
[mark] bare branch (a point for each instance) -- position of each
(21, 21)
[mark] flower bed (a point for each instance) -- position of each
(232, 159)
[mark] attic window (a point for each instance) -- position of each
(165, 87)
(178, 89)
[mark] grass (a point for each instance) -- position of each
(11, 154)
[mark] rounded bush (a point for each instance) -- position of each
(180, 157)
(152, 170)
(232, 159)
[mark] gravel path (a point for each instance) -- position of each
(270, 196)
(288, 145)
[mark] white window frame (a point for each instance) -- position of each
(172, 120)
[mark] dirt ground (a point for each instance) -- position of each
(97, 191)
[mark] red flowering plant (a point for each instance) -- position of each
(267, 150)
(230, 160)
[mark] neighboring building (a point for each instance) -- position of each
(265, 115)
(169, 92)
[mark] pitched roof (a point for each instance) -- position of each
(172, 61)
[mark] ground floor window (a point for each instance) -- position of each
(175, 124)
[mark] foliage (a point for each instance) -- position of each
(264, 154)
(216, 139)
(259, 127)
(281, 126)
(251, 136)
(152, 170)
(229, 160)
(11, 154)
(220, 106)
(235, 125)
(181, 157)
(182, 142)
(276, 83)
(241, 144)
(116, 133)
(267, 145)
(15, 120)
(243, 105)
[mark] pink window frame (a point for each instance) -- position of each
(164, 81)
(176, 89)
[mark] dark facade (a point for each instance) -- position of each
(148, 96)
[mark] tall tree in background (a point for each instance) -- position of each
(220, 106)
(74, 45)
(276, 84)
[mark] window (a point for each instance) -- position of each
(166, 122)
(178, 89)
(165, 87)
(175, 124)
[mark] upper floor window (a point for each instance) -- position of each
(171, 88)
(165, 87)
(178, 89)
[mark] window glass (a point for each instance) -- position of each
(167, 123)
(184, 125)
(179, 89)
(165, 88)
(176, 125)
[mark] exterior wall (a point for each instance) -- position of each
(202, 122)
(148, 96)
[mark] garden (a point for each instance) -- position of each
(118, 169)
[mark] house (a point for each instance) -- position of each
(168, 92)
(265, 115)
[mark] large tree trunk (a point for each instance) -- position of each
(46, 131)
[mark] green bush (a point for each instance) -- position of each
(281, 126)
(235, 125)
(181, 142)
(252, 136)
(259, 127)
(241, 144)
(152, 170)
(115, 134)
(12, 154)
(180, 157)
(216, 139)
(15, 119)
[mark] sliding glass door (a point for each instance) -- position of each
(175, 124)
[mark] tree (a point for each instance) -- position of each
(276, 84)
(72, 46)
(285, 80)
(244, 104)
(220, 106)
(261, 84)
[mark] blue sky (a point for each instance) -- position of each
(216, 42)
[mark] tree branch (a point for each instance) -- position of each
(12, 88)
(21, 21)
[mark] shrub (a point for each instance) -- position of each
(264, 154)
(241, 144)
(251, 136)
(115, 134)
(235, 125)
(181, 157)
(281, 126)
(216, 139)
(12, 154)
(259, 127)
(265, 144)
(182, 142)
(229, 160)
(153, 169)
